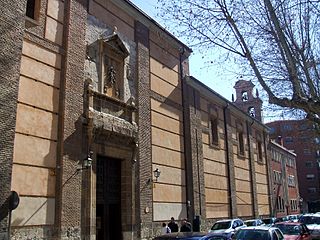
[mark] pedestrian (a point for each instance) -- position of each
(186, 226)
(165, 229)
(173, 225)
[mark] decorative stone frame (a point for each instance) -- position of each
(240, 138)
(34, 7)
(213, 126)
(259, 149)
(112, 54)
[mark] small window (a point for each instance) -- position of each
(309, 164)
(288, 140)
(306, 151)
(312, 190)
(259, 151)
(310, 176)
(291, 181)
(214, 131)
(241, 143)
(287, 127)
(252, 111)
(33, 8)
(244, 96)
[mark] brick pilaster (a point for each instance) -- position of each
(144, 196)
(252, 171)
(193, 153)
(69, 205)
(230, 162)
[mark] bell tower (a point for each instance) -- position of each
(245, 99)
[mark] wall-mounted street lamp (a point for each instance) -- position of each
(156, 174)
(87, 162)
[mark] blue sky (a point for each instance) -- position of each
(213, 76)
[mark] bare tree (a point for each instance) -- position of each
(279, 39)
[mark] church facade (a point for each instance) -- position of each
(106, 135)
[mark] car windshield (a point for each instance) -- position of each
(310, 220)
(250, 223)
(252, 234)
(289, 229)
(267, 220)
(221, 225)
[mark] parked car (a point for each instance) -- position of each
(216, 236)
(294, 230)
(270, 221)
(181, 236)
(258, 233)
(312, 221)
(294, 218)
(253, 222)
(228, 226)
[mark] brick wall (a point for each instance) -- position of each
(12, 29)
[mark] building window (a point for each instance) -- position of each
(214, 132)
(287, 127)
(241, 143)
(280, 204)
(306, 151)
(293, 205)
(252, 111)
(291, 162)
(288, 140)
(244, 96)
(259, 145)
(309, 164)
(277, 177)
(291, 181)
(312, 190)
(310, 177)
(33, 9)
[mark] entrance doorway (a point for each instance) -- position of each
(108, 197)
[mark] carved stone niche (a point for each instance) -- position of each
(112, 53)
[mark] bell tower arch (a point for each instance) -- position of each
(245, 99)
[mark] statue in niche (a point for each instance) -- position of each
(112, 75)
(111, 78)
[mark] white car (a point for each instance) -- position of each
(312, 221)
(253, 222)
(227, 226)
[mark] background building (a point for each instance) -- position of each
(285, 181)
(302, 137)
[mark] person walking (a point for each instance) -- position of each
(173, 225)
(186, 226)
(165, 229)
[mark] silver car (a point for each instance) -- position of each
(227, 226)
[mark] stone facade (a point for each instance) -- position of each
(104, 100)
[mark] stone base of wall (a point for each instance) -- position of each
(71, 233)
(45, 232)
(34, 233)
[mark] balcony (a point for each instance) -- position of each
(109, 115)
